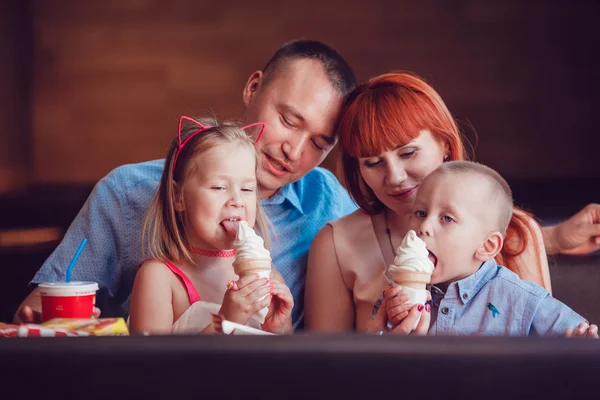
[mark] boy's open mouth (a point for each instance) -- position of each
(432, 258)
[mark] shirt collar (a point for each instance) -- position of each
(288, 193)
(468, 287)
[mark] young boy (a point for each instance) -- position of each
(461, 212)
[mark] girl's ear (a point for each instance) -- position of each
(178, 197)
(490, 247)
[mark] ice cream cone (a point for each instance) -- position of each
(251, 265)
(411, 279)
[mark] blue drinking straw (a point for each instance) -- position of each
(74, 260)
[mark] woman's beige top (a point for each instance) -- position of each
(364, 253)
(361, 262)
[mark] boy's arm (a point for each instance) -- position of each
(554, 318)
(583, 330)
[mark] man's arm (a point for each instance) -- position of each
(579, 235)
(102, 221)
(30, 310)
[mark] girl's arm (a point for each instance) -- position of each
(151, 307)
(328, 303)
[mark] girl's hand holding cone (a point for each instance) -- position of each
(240, 305)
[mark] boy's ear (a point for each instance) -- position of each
(490, 247)
(252, 86)
(178, 197)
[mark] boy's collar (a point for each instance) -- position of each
(466, 288)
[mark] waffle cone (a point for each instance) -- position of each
(415, 280)
(251, 265)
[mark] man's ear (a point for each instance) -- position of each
(254, 83)
(490, 247)
(178, 197)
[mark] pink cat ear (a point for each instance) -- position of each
(180, 145)
(262, 129)
(184, 118)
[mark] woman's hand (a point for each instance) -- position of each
(279, 317)
(397, 309)
(583, 330)
(407, 326)
(579, 235)
(240, 305)
(407, 319)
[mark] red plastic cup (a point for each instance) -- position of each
(68, 300)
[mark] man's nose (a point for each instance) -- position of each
(293, 147)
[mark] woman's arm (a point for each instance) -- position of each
(151, 308)
(328, 305)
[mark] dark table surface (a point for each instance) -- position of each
(302, 366)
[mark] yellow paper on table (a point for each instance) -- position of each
(97, 327)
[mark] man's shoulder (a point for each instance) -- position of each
(321, 182)
(320, 189)
(130, 175)
(321, 176)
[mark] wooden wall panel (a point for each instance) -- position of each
(111, 77)
(15, 80)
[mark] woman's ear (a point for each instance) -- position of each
(490, 247)
(252, 85)
(446, 151)
(178, 197)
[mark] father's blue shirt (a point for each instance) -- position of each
(112, 217)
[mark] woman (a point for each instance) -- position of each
(393, 131)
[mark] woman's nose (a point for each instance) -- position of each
(395, 173)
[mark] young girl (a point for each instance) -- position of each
(207, 187)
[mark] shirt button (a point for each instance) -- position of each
(465, 296)
(445, 310)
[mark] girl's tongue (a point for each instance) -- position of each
(231, 227)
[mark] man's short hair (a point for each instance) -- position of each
(499, 190)
(337, 68)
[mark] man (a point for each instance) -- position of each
(298, 95)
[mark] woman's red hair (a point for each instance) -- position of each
(391, 110)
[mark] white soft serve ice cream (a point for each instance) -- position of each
(251, 255)
(412, 269)
(412, 255)
(248, 245)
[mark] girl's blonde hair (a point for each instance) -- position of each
(164, 236)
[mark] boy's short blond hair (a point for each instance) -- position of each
(498, 189)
